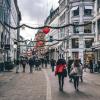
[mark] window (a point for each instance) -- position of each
(88, 10)
(75, 43)
(76, 28)
(87, 28)
(62, 18)
(75, 11)
(98, 26)
(75, 55)
(98, 5)
(62, 4)
(88, 43)
(62, 31)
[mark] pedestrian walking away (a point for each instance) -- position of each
(70, 61)
(17, 67)
(37, 63)
(91, 66)
(52, 62)
(31, 65)
(75, 73)
(23, 62)
(45, 62)
(60, 66)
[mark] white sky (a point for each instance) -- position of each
(34, 12)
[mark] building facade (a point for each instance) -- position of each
(81, 38)
(15, 18)
(96, 30)
(9, 14)
(64, 32)
(52, 48)
(4, 31)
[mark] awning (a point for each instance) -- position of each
(75, 8)
(88, 7)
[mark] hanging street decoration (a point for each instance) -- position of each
(43, 27)
(40, 43)
(46, 30)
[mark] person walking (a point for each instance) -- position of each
(17, 67)
(37, 63)
(76, 73)
(91, 66)
(52, 62)
(45, 62)
(60, 65)
(31, 65)
(81, 70)
(42, 62)
(23, 62)
(70, 61)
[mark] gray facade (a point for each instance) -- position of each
(96, 30)
(81, 38)
(10, 14)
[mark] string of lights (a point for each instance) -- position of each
(41, 27)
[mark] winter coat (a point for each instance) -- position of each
(30, 62)
(60, 65)
(78, 70)
(37, 62)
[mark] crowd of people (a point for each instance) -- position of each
(73, 68)
(33, 62)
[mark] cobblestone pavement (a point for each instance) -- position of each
(43, 85)
(23, 86)
(88, 90)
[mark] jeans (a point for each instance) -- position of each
(76, 82)
(61, 80)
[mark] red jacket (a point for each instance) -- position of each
(60, 68)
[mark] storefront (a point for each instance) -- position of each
(88, 55)
(96, 51)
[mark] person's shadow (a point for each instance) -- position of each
(74, 94)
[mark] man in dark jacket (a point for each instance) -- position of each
(70, 61)
(52, 62)
(91, 66)
(31, 64)
(42, 62)
(45, 62)
(37, 63)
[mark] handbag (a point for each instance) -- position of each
(73, 72)
(65, 72)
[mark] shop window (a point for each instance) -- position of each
(75, 55)
(75, 43)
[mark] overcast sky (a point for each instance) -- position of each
(34, 12)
